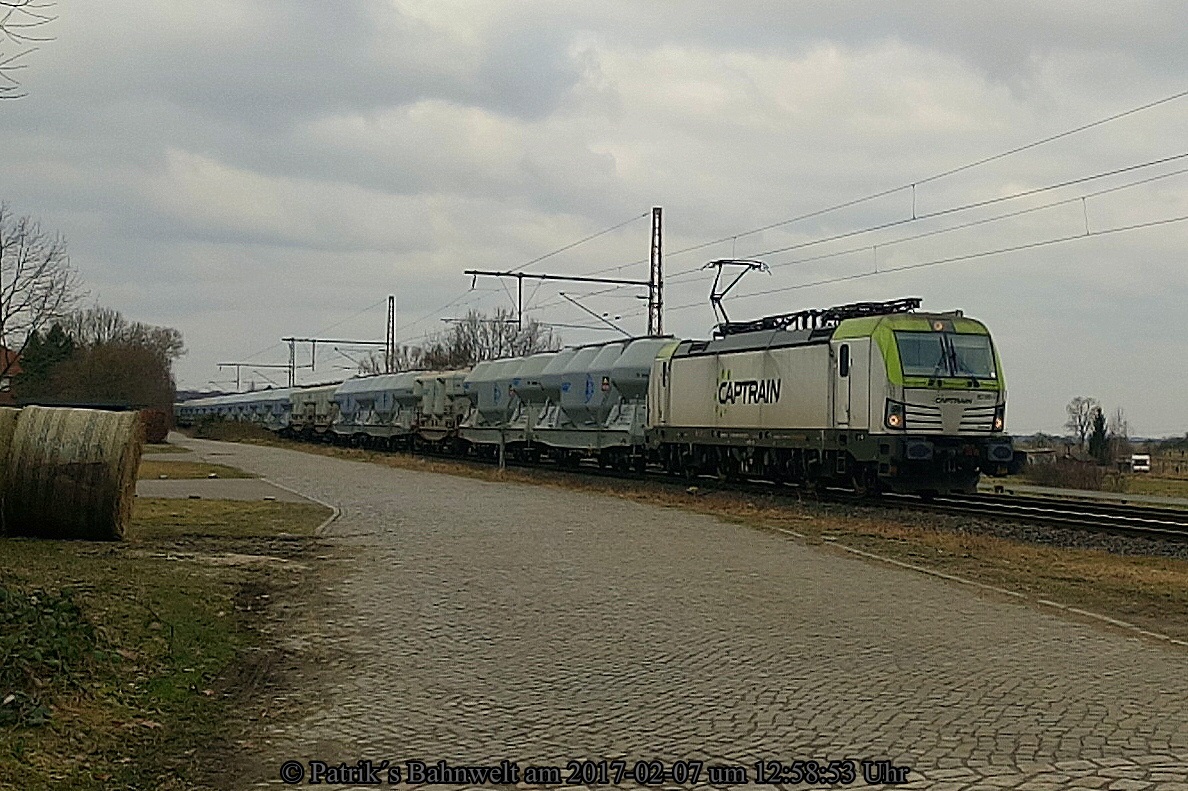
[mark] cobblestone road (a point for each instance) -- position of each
(475, 622)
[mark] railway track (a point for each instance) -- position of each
(1069, 512)
(1096, 515)
(1083, 513)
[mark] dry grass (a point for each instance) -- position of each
(151, 469)
(1159, 487)
(158, 518)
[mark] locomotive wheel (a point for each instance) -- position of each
(865, 483)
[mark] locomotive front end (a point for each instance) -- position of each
(941, 407)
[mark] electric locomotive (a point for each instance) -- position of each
(869, 396)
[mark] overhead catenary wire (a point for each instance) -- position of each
(547, 255)
(356, 314)
(583, 240)
(937, 176)
(981, 203)
(952, 259)
(903, 187)
(828, 209)
(982, 221)
(563, 248)
(952, 210)
(698, 272)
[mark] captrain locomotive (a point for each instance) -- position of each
(867, 396)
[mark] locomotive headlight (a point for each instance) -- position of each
(894, 416)
(1000, 417)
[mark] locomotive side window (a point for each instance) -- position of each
(843, 360)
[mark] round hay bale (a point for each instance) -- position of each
(72, 473)
(8, 421)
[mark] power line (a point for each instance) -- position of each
(982, 221)
(966, 207)
(953, 259)
(942, 174)
(572, 245)
(699, 270)
(910, 185)
(323, 329)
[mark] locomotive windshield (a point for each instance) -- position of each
(935, 354)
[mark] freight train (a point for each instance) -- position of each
(873, 396)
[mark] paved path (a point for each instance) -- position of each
(478, 621)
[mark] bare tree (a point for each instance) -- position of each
(479, 337)
(98, 326)
(473, 339)
(1119, 433)
(38, 286)
(20, 23)
(1119, 426)
(1080, 417)
(405, 358)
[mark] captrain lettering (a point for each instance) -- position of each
(749, 391)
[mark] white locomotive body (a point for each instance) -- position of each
(868, 396)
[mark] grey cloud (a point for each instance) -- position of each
(245, 171)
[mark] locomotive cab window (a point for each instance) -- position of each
(972, 356)
(843, 360)
(934, 354)
(921, 353)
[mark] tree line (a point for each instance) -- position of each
(66, 354)
(1103, 440)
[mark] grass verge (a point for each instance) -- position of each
(150, 637)
(1159, 487)
(164, 447)
(151, 469)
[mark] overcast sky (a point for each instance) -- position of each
(248, 170)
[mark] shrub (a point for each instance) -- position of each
(156, 424)
(1066, 474)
